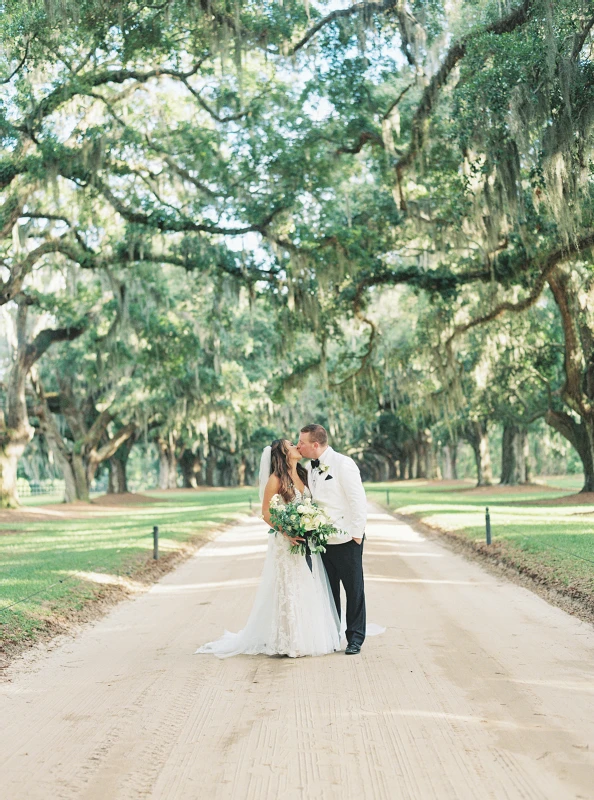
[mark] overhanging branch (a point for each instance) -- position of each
(343, 13)
(552, 261)
(431, 92)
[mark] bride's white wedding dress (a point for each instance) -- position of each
(293, 614)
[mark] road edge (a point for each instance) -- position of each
(139, 581)
(501, 563)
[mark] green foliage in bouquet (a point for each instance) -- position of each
(302, 519)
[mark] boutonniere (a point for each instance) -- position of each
(324, 468)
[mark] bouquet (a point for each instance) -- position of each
(302, 519)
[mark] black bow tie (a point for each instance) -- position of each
(315, 463)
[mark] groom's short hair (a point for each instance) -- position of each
(317, 433)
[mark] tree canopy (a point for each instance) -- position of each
(219, 218)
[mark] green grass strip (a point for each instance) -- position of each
(553, 539)
(51, 569)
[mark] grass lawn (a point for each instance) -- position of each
(68, 556)
(545, 531)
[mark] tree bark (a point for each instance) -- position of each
(412, 461)
(449, 456)
(167, 461)
(118, 482)
(514, 455)
(241, 471)
(12, 446)
(430, 466)
(421, 450)
(118, 463)
(191, 467)
(211, 463)
(476, 435)
(578, 389)
(581, 436)
(79, 460)
(16, 432)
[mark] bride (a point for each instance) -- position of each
(294, 613)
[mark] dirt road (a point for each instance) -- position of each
(478, 689)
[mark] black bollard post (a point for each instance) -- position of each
(388, 497)
(250, 503)
(488, 525)
(156, 542)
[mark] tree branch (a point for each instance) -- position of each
(343, 13)
(439, 280)
(167, 224)
(580, 39)
(108, 449)
(46, 338)
(19, 67)
(209, 110)
(573, 393)
(431, 92)
(364, 137)
(551, 261)
(84, 83)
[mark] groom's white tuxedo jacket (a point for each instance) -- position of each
(336, 485)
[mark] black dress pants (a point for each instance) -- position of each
(344, 564)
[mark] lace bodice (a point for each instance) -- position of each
(301, 495)
(298, 496)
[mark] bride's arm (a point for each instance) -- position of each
(271, 489)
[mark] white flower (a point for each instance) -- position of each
(275, 500)
(301, 509)
(324, 467)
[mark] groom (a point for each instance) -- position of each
(335, 484)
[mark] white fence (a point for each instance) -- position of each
(49, 486)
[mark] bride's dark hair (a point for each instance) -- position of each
(279, 466)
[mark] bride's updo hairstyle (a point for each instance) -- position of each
(279, 466)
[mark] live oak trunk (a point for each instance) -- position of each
(427, 458)
(581, 436)
(118, 463)
(514, 455)
(15, 433)
(574, 296)
(118, 482)
(79, 458)
(15, 430)
(449, 458)
(12, 445)
(411, 460)
(402, 467)
(476, 435)
(211, 465)
(421, 471)
(167, 461)
(241, 469)
(191, 469)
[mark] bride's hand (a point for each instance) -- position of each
(294, 540)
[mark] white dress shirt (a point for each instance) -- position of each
(336, 485)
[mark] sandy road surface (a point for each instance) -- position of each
(478, 689)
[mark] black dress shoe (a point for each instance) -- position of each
(352, 649)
